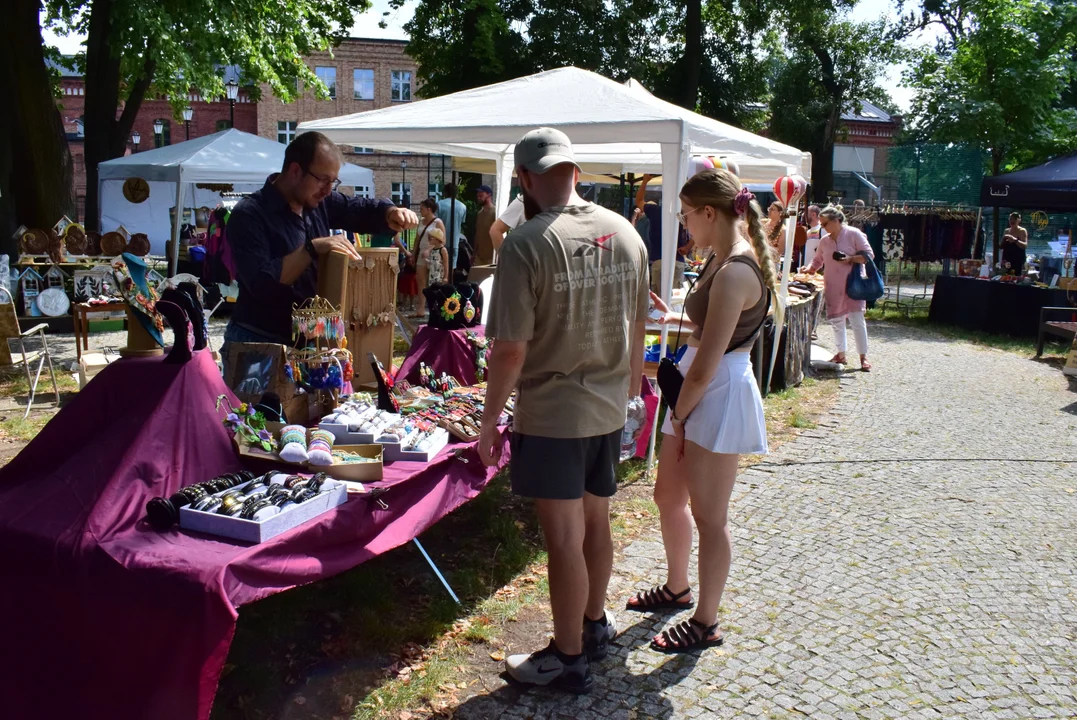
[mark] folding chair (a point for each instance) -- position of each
(9, 328)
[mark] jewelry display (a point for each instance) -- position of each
(323, 365)
(163, 513)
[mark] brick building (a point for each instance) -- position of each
(208, 118)
(362, 74)
(863, 152)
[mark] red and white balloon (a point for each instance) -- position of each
(789, 189)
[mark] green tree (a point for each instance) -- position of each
(999, 79)
(35, 163)
(136, 50)
(832, 65)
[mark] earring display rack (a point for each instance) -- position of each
(365, 292)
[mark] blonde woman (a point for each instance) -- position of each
(719, 412)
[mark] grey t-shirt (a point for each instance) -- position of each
(571, 282)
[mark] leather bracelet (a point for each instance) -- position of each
(309, 245)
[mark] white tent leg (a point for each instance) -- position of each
(173, 261)
(674, 170)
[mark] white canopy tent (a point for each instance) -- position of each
(615, 128)
(230, 156)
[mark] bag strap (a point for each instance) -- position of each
(680, 322)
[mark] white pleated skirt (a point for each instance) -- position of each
(729, 418)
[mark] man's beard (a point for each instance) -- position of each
(531, 208)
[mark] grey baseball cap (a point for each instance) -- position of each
(541, 149)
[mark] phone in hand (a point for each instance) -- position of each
(840, 256)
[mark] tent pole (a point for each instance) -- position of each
(452, 229)
(976, 235)
(173, 261)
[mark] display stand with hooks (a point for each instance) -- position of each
(324, 365)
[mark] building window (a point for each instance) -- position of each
(396, 196)
(363, 84)
(434, 190)
(363, 151)
(222, 125)
(401, 86)
(328, 75)
(165, 138)
(364, 191)
(286, 131)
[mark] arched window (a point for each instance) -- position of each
(165, 138)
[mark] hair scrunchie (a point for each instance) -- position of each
(742, 201)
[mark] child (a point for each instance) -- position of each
(438, 260)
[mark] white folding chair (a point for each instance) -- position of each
(10, 322)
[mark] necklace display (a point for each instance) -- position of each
(482, 347)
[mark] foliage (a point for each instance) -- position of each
(832, 64)
(998, 78)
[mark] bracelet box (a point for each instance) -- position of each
(253, 531)
(338, 471)
(343, 436)
(394, 451)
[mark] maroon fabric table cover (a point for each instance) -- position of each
(107, 618)
(447, 351)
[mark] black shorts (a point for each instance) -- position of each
(564, 468)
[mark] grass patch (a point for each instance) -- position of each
(13, 382)
(14, 427)
(799, 420)
(918, 318)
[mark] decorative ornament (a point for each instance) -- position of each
(482, 347)
(247, 423)
(451, 306)
(789, 189)
(136, 190)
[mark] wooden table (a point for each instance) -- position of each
(79, 313)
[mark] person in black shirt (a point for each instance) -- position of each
(278, 233)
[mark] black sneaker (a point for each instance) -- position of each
(545, 667)
(597, 636)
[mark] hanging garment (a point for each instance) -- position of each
(894, 244)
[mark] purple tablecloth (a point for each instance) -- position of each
(106, 618)
(447, 351)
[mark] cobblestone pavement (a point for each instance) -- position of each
(911, 557)
(62, 345)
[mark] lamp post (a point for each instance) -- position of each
(404, 199)
(158, 129)
(136, 138)
(232, 88)
(188, 114)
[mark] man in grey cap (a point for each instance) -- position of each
(567, 313)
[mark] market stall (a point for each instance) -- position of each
(137, 622)
(1005, 308)
(615, 128)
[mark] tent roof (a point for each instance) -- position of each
(229, 156)
(1051, 186)
(614, 127)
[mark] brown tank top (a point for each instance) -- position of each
(695, 305)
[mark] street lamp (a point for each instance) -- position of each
(158, 128)
(136, 139)
(232, 88)
(188, 114)
(404, 199)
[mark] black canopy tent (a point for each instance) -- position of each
(1051, 186)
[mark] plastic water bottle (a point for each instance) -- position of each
(634, 424)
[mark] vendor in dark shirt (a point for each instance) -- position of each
(278, 233)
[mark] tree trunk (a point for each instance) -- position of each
(106, 134)
(682, 78)
(36, 170)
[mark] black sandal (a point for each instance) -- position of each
(659, 598)
(687, 636)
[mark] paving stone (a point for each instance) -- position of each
(928, 574)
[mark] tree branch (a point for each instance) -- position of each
(137, 95)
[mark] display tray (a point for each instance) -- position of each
(253, 531)
(342, 436)
(393, 451)
(338, 471)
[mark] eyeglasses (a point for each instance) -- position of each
(332, 183)
(681, 216)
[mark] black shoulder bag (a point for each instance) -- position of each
(669, 376)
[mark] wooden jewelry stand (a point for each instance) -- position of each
(365, 292)
(139, 342)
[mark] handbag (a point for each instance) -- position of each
(669, 375)
(867, 285)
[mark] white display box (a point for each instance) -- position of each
(255, 532)
(343, 436)
(393, 451)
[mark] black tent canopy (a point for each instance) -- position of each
(1051, 186)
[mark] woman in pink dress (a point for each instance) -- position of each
(848, 241)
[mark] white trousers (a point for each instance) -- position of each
(860, 332)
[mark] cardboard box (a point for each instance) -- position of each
(253, 531)
(339, 471)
